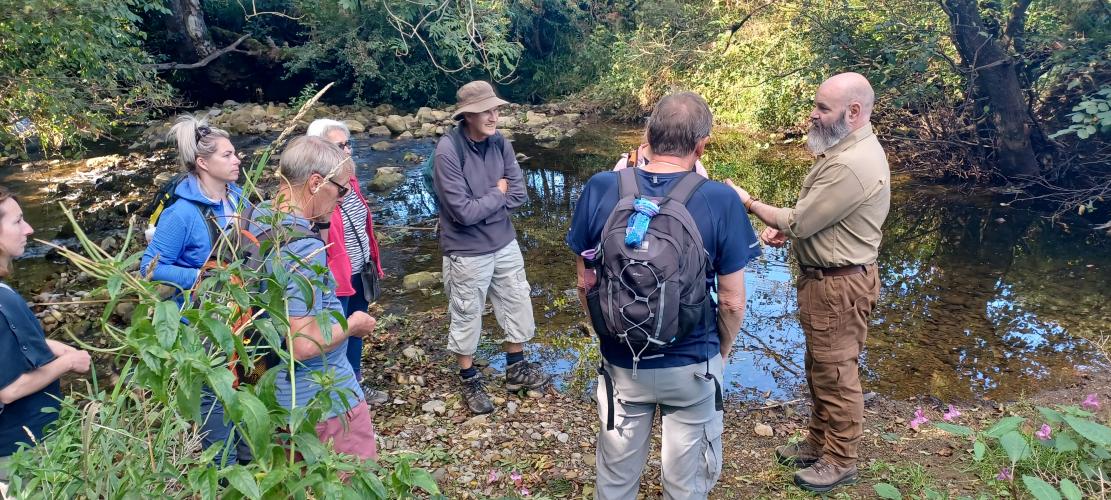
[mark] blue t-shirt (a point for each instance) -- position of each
(348, 392)
(23, 344)
(726, 233)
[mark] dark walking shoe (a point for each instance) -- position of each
(374, 397)
(801, 454)
(524, 375)
(474, 395)
(824, 476)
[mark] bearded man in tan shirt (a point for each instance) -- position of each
(834, 230)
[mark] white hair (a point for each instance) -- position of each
(320, 127)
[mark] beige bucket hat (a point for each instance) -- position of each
(475, 97)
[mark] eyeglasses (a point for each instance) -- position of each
(344, 144)
(343, 190)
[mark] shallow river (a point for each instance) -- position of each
(979, 299)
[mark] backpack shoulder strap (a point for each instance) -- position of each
(458, 143)
(627, 182)
(209, 218)
(686, 187)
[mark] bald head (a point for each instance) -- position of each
(847, 89)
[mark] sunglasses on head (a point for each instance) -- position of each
(202, 131)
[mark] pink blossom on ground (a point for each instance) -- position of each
(493, 477)
(1091, 402)
(1044, 433)
(919, 419)
(516, 477)
(952, 414)
(1004, 474)
(524, 492)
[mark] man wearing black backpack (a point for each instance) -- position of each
(650, 243)
(478, 182)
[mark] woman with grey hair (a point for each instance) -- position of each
(354, 258)
(311, 169)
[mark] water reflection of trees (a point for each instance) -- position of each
(952, 321)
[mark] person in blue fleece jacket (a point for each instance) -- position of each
(183, 241)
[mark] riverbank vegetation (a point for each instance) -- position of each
(1011, 91)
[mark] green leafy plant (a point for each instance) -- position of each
(1067, 456)
(1092, 115)
(139, 437)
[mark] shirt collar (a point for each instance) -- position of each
(849, 141)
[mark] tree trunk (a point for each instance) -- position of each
(188, 25)
(997, 80)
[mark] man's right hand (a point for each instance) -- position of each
(773, 237)
(360, 324)
(503, 185)
(78, 361)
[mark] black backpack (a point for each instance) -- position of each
(651, 296)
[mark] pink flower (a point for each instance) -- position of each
(1044, 432)
(523, 491)
(516, 477)
(1091, 402)
(952, 414)
(918, 419)
(492, 477)
(1004, 474)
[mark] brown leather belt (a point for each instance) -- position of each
(821, 272)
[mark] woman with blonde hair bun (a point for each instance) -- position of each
(203, 207)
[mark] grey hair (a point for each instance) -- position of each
(194, 139)
(321, 126)
(306, 155)
(677, 123)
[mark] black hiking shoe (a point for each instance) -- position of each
(374, 397)
(474, 395)
(524, 375)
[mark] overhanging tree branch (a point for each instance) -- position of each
(203, 62)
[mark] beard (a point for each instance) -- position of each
(821, 137)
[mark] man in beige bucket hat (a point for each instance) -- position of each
(478, 182)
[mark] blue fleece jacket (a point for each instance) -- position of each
(181, 243)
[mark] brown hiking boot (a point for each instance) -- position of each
(824, 475)
(474, 395)
(801, 454)
(525, 375)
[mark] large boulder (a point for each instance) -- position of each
(355, 126)
(567, 119)
(424, 115)
(396, 124)
(380, 130)
(549, 134)
(256, 112)
(534, 119)
(423, 279)
(440, 115)
(380, 146)
(508, 121)
(387, 178)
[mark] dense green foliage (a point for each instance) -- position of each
(70, 71)
(756, 62)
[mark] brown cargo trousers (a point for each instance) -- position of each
(834, 313)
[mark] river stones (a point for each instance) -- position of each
(386, 178)
(355, 126)
(396, 124)
(421, 279)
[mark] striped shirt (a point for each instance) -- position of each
(355, 237)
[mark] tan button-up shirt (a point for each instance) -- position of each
(843, 203)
